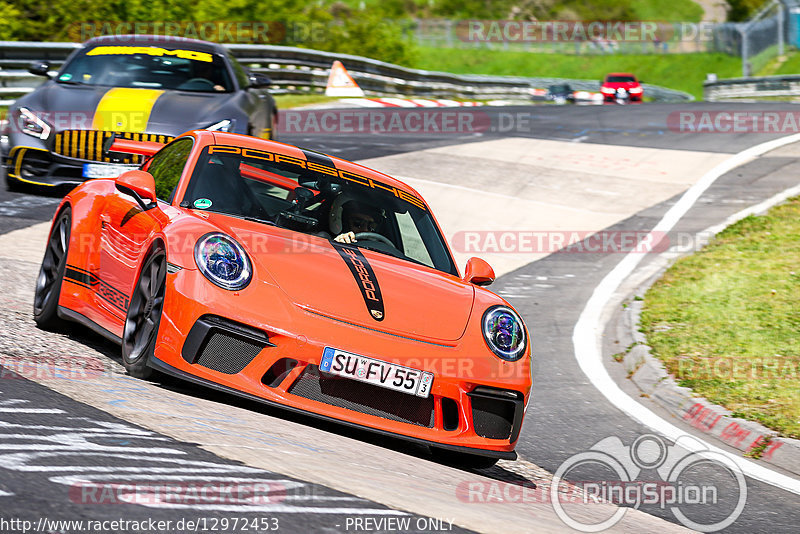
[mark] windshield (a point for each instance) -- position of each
(316, 199)
(620, 79)
(148, 67)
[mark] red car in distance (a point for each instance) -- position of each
(621, 86)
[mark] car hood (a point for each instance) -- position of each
(75, 107)
(320, 276)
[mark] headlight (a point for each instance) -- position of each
(223, 261)
(504, 333)
(636, 90)
(221, 126)
(608, 90)
(31, 124)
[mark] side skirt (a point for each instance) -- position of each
(70, 315)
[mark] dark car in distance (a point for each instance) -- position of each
(560, 93)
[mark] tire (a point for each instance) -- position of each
(462, 459)
(51, 273)
(12, 184)
(144, 316)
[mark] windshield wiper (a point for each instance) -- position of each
(69, 82)
(258, 220)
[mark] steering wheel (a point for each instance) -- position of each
(198, 82)
(374, 236)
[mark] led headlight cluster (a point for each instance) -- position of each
(221, 126)
(223, 261)
(33, 125)
(504, 333)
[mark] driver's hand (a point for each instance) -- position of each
(347, 237)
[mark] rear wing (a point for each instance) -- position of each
(129, 146)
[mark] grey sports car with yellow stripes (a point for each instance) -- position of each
(144, 88)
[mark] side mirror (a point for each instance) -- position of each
(478, 272)
(258, 80)
(140, 185)
(40, 69)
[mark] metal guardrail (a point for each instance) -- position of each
(765, 86)
(301, 70)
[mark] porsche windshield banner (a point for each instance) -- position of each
(365, 277)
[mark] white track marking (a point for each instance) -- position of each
(588, 331)
(18, 206)
(411, 181)
(30, 410)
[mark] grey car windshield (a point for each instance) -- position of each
(148, 67)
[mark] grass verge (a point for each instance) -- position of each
(297, 101)
(684, 72)
(726, 320)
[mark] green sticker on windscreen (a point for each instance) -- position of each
(202, 203)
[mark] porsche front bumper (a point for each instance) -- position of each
(233, 342)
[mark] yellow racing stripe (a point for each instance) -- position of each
(125, 110)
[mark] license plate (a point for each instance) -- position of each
(376, 372)
(100, 170)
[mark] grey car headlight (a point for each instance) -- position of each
(221, 126)
(33, 125)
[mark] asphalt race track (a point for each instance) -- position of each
(65, 440)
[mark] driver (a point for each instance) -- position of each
(358, 217)
(207, 71)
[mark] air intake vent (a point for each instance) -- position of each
(449, 414)
(88, 145)
(278, 371)
(496, 413)
(363, 398)
(223, 345)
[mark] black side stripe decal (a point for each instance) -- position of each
(110, 294)
(365, 278)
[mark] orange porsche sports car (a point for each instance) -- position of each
(295, 279)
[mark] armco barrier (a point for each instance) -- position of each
(301, 70)
(766, 86)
